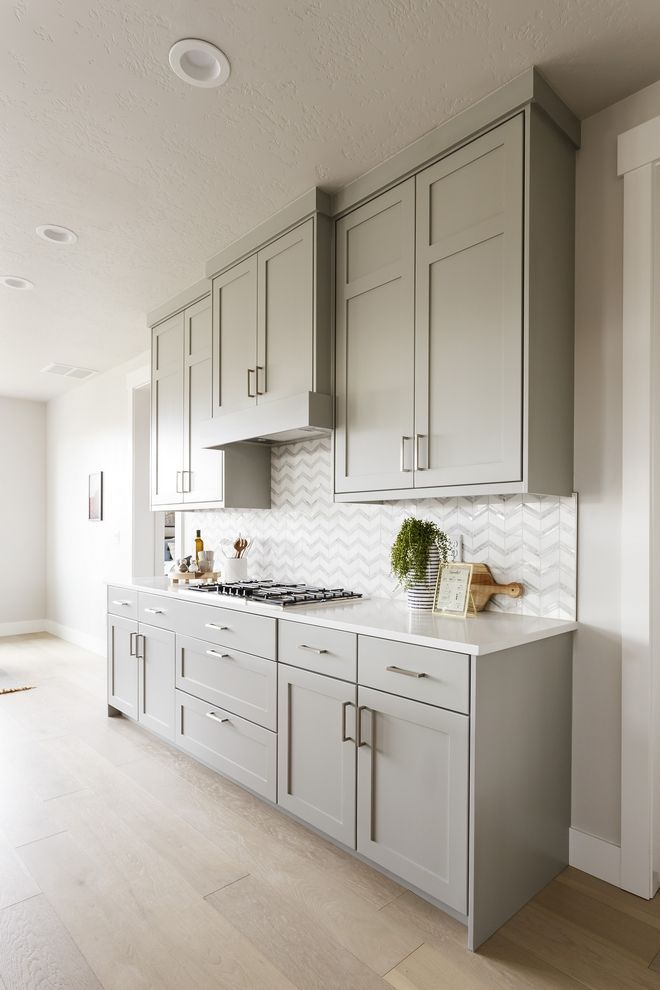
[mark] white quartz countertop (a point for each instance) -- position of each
(485, 633)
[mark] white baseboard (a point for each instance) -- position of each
(596, 856)
(90, 643)
(22, 628)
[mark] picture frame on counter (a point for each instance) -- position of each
(95, 497)
(452, 591)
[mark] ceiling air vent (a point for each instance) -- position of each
(68, 371)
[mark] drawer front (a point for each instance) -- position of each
(239, 682)
(325, 651)
(229, 744)
(256, 634)
(158, 610)
(436, 677)
(122, 601)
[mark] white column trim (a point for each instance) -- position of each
(639, 150)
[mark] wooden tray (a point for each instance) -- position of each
(206, 577)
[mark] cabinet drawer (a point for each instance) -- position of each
(122, 601)
(418, 672)
(243, 684)
(230, 627)
(229, 744)
(326, 651)
(158, 610)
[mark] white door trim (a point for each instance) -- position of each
(639, 163)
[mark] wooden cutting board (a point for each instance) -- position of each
(483, 587)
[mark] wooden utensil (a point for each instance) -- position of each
(483, 587)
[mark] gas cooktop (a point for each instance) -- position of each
(279, 594)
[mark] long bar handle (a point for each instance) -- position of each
(251, 394)
(139, 653)
(344, 707)
(312, 649)
(155, 611)
(418, 465)
(179, 474)
(217, 718)
(132, 648)
(220, 656)
(360, 740)
(403, 454)
(214, 625)
(260, 368)
(406, 673)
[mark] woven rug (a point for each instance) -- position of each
(9, 685)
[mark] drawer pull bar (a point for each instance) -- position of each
(132, 648)
(406, 673)
(121, 602)
(155, 611)
(312, 649)
(217, 718)
(220, 656)
(344, 707)
(214, 625)
(360, 740)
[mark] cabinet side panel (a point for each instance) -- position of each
(520, 783)
(551, 277)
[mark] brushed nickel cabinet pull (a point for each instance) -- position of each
(418, 465)
(132, 647)
(155, 611)
(139, 653)
(122, 602)
(251, 394)
(220, 656)
(179, 474)
(344, 707)
(360, 740)
(260, 368)
(214, 625)
(403, 454)
(217, 718)
(406, 673)
(312, 649)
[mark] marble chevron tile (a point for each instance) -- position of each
(306, 536)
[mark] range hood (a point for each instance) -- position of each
(296, 417)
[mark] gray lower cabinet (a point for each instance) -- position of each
(155, 648)
(225, 742)
(412, 815)
(317, 759)
(122, 665)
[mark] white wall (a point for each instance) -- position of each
(598, 458)
(88, 430)
(22, 515)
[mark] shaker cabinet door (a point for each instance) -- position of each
(413, 793)
(316, 752)
(235, 338)
(286, 315)
(375, 310)
(156, 657)
(167, 412)
(469, 323)
(122, 665)
(203, 472)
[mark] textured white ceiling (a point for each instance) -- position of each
(97, 134)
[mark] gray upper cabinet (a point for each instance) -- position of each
(375, 337)
(468, 325)
(285, 295)
(235, 338)
(454, 313)
(184, 473)
(167, 412)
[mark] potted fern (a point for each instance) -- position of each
(418, 550)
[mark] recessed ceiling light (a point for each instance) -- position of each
(199, 63)
(55, 234)
(16, 282)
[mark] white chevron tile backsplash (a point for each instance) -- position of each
(307, 537)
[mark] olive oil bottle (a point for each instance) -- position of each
(199, 544)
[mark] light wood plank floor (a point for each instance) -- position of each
(126, 865)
